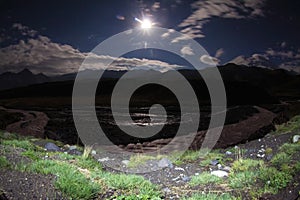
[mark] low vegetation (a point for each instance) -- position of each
(82, 177)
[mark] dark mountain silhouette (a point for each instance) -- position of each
(10, 80)
(244, 85)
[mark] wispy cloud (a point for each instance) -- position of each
(187, 50)
(219, 53)
(205, 10)
(40, 54)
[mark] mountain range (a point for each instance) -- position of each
(244, 85)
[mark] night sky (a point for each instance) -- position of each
(53, 37)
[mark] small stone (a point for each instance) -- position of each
(75, 152)
(175, 179)
(178, 169)
(186, 178)
(226, 168)
(219, 166)
(196, 174)
(296, 138)
(125, 162)
(260, 155)
(51, 147)
(93, 152)
(103, 159)
(259, 140)
(219, 173)
(166, 190)
(269, 157)
(72, 147)
(228, 153)
(165, 162)
(214, 162)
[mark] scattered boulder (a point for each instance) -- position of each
(51, 147)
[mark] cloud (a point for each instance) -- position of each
(281, 54)
(209, 60)
(219, 53)
(283, 45)
(24, 30)
(205, 10)
(187, 50)
(255, 60)
(41, 55)
(155, 6)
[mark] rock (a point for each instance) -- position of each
(186, 178)
(75, 152)
(214, 162)
(196, 174)
(226, 168)
(178, 169)
(219, 173)
(219, 166)
(125, 162)
(103, 159)
(165, 162)
(228, 153)
(296, 138)
(260, 155)
(166, 190)
(72, 147)
(269, 157)
(51, 147)
(93, 152)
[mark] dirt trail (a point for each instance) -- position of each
(33, 122)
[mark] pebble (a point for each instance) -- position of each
(219, 166)
(214, 162)
(93, 152)
(186, 178)
(51, 147)
(260, 155)
(228, 153)
(165, 162)
(103, 159)
(73, 147)
(125, 162)
(296, 138)
(226, 168)
(178, 169)
(219, 173)
(166, 190)
(196, 174)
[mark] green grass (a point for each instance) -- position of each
(204, 179)
(243, 165)
(292, 125)
(242, 180)
(69, 180)
(4, 162)
(280, 159)
(210, 196)
(290, 149)
(274, 179)
(25, 144)
(130, 185)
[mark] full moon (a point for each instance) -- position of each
(146, 24)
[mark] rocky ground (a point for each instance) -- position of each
(27, 171)
(173, 178)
